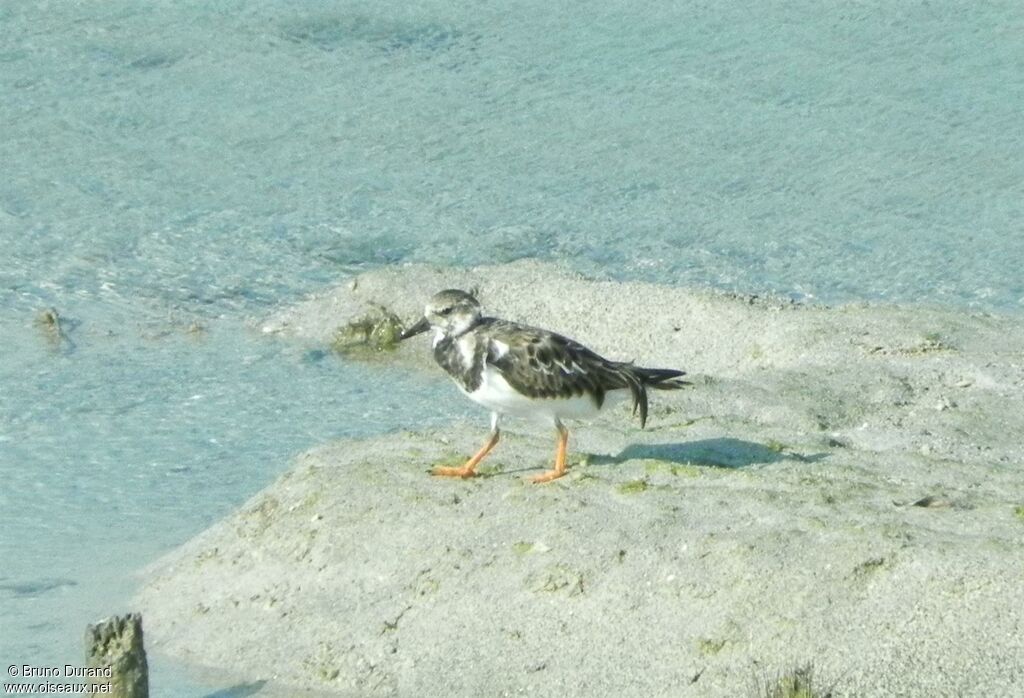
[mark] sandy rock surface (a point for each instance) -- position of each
(841, 487)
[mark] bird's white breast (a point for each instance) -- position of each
(497, 395)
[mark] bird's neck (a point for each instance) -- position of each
(461, 357)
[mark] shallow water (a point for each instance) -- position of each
(194, 164)
(136, 437)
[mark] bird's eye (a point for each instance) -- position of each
(444, 312)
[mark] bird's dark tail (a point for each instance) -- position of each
(640, 379)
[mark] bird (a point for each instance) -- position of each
(518, 370)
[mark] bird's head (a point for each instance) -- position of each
(449, 313)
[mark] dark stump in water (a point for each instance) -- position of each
(115, 645)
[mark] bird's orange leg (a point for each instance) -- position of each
(469, 469)
(559, 470)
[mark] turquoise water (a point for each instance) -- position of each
(169, 165)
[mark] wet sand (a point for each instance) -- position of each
(840, 487)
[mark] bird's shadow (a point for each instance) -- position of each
(719, 453)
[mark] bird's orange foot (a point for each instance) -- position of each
(463, 472)
(548, 476)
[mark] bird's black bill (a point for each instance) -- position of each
(419, 328)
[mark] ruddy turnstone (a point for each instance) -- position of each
(525, 371)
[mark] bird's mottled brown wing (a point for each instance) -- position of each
(542, 364)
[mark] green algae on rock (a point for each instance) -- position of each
(373, 332)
